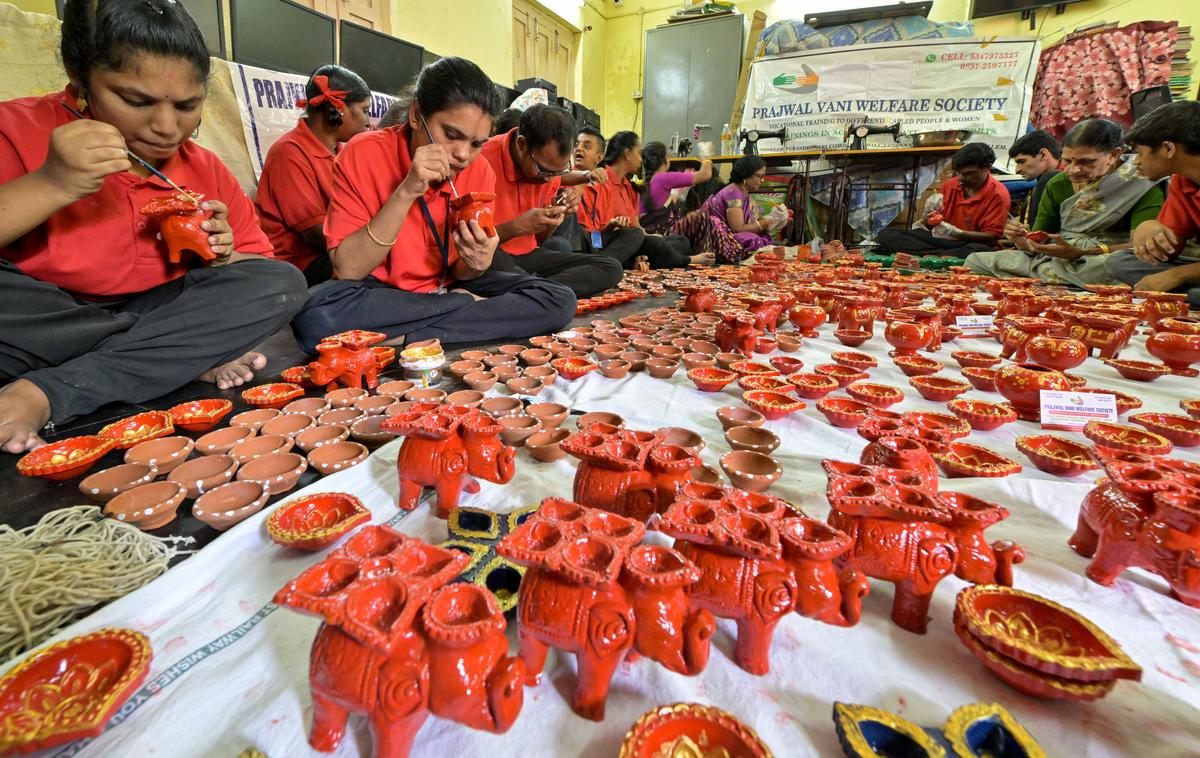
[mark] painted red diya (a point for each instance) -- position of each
(200, 415)
(315, 522)
(1127, 439)
(773, 405)
(357, 339)
(571, 368)
(1192, 407)
(298, 375)
(64, 459)
(950, 427)
(1041, 635)
(877, 395)
(854, 359)
(959, 459)
(812, 386)
(710, 378)
(1183, 431)
(851, 337)
(758, 382)
(975, 359)
(1138, 371)
(982, 379)
(939, 389)
(1056, 455)
(752, 368)
(690, 730)
(982, 415)
(1125, 401)
(70, 690)
(138, 428)
(844, 375)
(274, 395)
(917, 365)
(786, 365)
(1029, 680)
(843, 412)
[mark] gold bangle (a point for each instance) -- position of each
(378, 241)
(1103, 248)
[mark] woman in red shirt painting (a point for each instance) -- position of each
(401, 264)
(297, 176)
(971, 217)
(94, 312)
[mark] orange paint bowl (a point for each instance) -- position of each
(69, 690)
(64, 459)
(274, 395)
(315, 522)
(200, 415)
(138, 428)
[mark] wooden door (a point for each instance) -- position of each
(543, 46)
(522, 35)
(372, 14)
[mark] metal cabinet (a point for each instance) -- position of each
(691, 77)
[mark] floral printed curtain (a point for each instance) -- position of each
(1093, 76)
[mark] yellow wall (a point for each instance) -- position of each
(480, 30)
(36, 6)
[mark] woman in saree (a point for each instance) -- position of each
(728, 223)
(1088, 210)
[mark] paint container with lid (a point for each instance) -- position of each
(423, 364)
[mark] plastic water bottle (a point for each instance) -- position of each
(726, 141)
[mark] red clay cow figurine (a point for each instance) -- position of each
(346, 359)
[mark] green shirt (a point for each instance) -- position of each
(1059, 188)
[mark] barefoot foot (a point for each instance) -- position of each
(24, 410)
(235, 372)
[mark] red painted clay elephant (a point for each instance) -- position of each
(399, 645)
(1146, 515)
(736, 332)
(346, 359)
(444, 446)
(179, 226)
(589, 591)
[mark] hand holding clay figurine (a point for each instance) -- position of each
(540, 221)
(475, 248)
(616, 222)
(220, 239)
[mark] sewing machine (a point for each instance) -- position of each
(749, 139)
(856, 133)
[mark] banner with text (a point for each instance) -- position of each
(267, 103)
(924, 85)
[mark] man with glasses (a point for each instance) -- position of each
(530, 162)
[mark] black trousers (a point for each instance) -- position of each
(921, 242)
(83, 355)
(661, 251)
(515, 306)
(585, 273)
(319, 269)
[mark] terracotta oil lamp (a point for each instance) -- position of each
(1021, 384)
(475, 206)
(907, 337)
(1058, 353)
(1177, 351)
(807, 318)
(1160, 305)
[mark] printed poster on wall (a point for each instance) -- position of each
(924, 85)
(267, 102)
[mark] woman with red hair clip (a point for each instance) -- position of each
(297, 176)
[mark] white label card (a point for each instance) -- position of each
(1071, 411)
(974, 322)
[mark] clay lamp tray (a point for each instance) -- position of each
(982, 379)
(959, 459)
(844, 375)
(1125, 402)
(854, 359)
(64, 459)
(752, 368)
(982, 415)
(772, 405)
(917, 365)
(572, 368)
(851, 337)
(786, 364)
(1127, 439)
(69, 690)
(876, 395)
(772, 383)
(1191, 407)
(1183, 431)
(690, 729)
(939, 389)
(1138, 371)
(843, 412)
(230, 504)
(138, 428)
(200, 415)
(813, 386)
(1042, 635)
(147, 506)
(274, 395)
(711, 379)
(316, 521)
(975, 359)
(103, 486)
(1056, 455)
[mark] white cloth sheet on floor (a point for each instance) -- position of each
(230, 669)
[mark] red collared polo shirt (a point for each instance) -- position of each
(985, 211)
(293, 192)
(514, 194)
(365, 174)
(1181, 211)
(102, 247)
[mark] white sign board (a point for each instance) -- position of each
(1071, 411)
(925, 85)
(267, 103)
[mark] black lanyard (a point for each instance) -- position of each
(593, 210)
(443, 240)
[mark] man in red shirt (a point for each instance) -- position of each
(530, 162)
(1166, 255)
(973, 211)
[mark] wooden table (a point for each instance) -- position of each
(839, 193)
